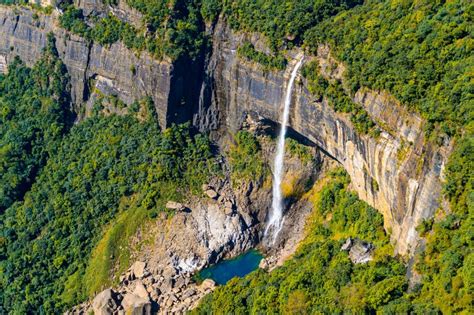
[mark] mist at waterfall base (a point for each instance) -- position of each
(276, 220)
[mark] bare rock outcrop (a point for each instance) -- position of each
(360, 252)
(173, 205)
(104, 303)
(138, 269)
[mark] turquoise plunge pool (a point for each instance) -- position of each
(236, 267)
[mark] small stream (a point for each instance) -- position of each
(225, 270)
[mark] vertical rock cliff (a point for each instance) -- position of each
(113, 70)
(399, 172)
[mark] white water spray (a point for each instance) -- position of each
(275, 222)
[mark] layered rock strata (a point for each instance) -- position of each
(399, 172)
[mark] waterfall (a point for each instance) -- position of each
(275, 222)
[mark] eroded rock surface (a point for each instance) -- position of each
(115, 70)
(405, 166)
(161, 280)
(360, 252)
(399, 173)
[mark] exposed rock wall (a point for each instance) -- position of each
(131, 76)
(121, 10)
(399, 173)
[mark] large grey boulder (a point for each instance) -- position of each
(138, 302)
(175, 206)
(360, 252)
(138, 269)
(104, 303)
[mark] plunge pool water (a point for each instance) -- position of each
(230, 268)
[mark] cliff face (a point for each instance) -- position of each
(112, 70)
(399, 173)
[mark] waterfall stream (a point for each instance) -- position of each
(275, 222)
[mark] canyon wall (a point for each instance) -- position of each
(113, 70)
(399, 172)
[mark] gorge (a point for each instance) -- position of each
(185, 133)
(406, 196)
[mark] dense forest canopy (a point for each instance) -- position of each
(172, 29)
(34, 108)
(78, 184)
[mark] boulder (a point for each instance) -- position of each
(347, 244)
(173, 298)
(167, 285)
(140, 290)
(208, 284)
(104, 303)
(169, 303)
(229, 204)
(175, 206)
(136, 305)
(211, 193)
(179, 283)
(188, 293)
(138, 269)
(360, 252)
(264, 264)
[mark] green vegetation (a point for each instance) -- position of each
(106, 31)
(320, 277)
(419, 51)
(173, 28)
(49, 236)
(459, 187)
(102, 170)
(249, 52)
(111, 256)
(283, 22)
(72, 196)
(34, 113)
(245, 158)
(10, 2)
(298, 150)
(73, 20)
(447, 262)
(7, 2)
